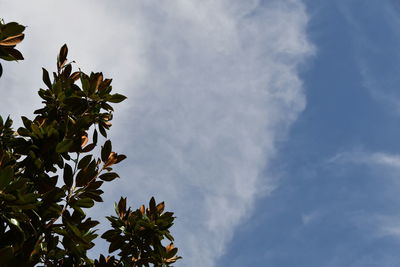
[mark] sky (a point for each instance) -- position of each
(270, 127)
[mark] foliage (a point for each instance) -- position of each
(49, 178)
(11, 34)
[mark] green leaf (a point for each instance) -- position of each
(109, 176)
(85, 83)
(116, 98)
(11, 28)
(15, 224)
(46, 78)
(107, 107)
(86, 174)
(152, 205)
(23, 131)
(116, 244)
(84, 161)
(106, 150)
(102, 131)
(84, 203)
(8, 122)
(45, 95)
(172, 253)
(79, 210)
(76, 104)
(64, 146)
(6, 176)
(108, 235)
(15, 54)
(62, 57)
(36, 130)
(27, 122)
(10, 54)
(74, 229)
(169, 236)
(68, 175)
(95, 136)
(7, 197)
(6, 254)
(95, 195)
(67, 70)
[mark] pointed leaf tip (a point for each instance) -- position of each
(62, 58)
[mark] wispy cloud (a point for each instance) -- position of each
(377, 58)
(369, 158)
(384, 167)
(309, 218)
(212, 86)
(378, 63)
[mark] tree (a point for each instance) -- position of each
(49, 178)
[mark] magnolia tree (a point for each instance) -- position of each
(49, 178)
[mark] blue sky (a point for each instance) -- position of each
(269, 127)
(337, 202)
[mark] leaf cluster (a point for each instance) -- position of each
(11, 34)
(137, 235)
(49, 178)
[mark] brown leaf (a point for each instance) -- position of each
(112, 159)
(160, 207)
(12, 40)
(84, 140)
(75, 76)
(99, 80)
(122, 207)
(169, 247)
(142, 209)
(62, 57)
(106, 83)
(89, 147)
(120, 158)
(40, 121)
(171, 260)
(14, 53)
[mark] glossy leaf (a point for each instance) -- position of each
(6, 175)
(62, 56)
(12, 40)
(64, 146)
(106, 150)
(85, 203)
(109, 176)
(46, 78)
(116, 98)
(84, 161)
(12, 29)
(68, 175)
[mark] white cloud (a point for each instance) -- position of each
(212, 86)
(372, 159)
(310, 217)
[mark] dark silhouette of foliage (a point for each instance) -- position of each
(49, 178)
(11, 34)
